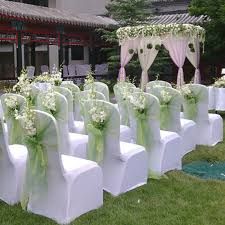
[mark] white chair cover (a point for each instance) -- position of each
(164, 151)
(44, 69)
(219, 99)
(124, 165)
(156, 83)
(100, 87)
(171, 121)
(73, 186)
(75, 90)
(74, 126)
(118, 89)
(212, 97)
(12, 168)
(15, 135)
(65, 71)
(209, 126)
(70, 143)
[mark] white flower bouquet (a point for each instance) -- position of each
(49, 101)
(12, 105)
(165, 97)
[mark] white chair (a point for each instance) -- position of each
(70, 143)
(44, 69)
(212, 97)
(124, 165)
(209, 126)
(34, 93)
(15, 136)
(156, 83)
(30, 71)
(101, 69)
(219, 99)
(74, 126)
(100, 87)
(185, 128)
(72, 70)
(12, 168)
(72, 186)
(83, 70)
(65, 71)
(164, 151)
(75, 91)
(118, 89)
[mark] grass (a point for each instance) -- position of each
(179, 200)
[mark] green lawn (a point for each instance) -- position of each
(179, 200)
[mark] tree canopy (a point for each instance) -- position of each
(215, 32)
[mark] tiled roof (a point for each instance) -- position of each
(178, 18)
(27, 12)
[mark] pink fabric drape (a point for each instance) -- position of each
(126, 56)
(194, 58)
(177, 47)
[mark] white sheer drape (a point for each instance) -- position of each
(194, 58)
(177, 47)
(125, 56)
(147, 54)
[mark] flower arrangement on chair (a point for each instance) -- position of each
(96, 127)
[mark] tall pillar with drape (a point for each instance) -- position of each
(147, 52)
(193, 55)
(177, 47)
(128, 49)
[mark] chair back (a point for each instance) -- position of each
(197, 109)
(83, 70)
(30, 71)
(44, 69)
(157, 83)
(71, 70)
(169, 113)
(18, 104)
(60, 114)
(100, 87)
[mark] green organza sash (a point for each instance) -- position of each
(37, 164)
(15, 134)
(96, 139)
(191, 108)
(164, 116)
(142, 131)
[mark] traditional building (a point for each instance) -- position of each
(35, 35)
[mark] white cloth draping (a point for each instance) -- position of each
(147, 56)
(177, 47)
(194, 58)
(126, 56)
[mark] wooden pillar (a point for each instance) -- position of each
(66, 55)
(60, 30)
(19, 27)
(33, 54)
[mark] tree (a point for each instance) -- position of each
(215, 32)
(125, 12)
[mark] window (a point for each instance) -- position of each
(77, 53)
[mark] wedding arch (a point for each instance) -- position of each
(181, 40)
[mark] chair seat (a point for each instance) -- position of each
(127, 150)
(74, 166)
(167, 135)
